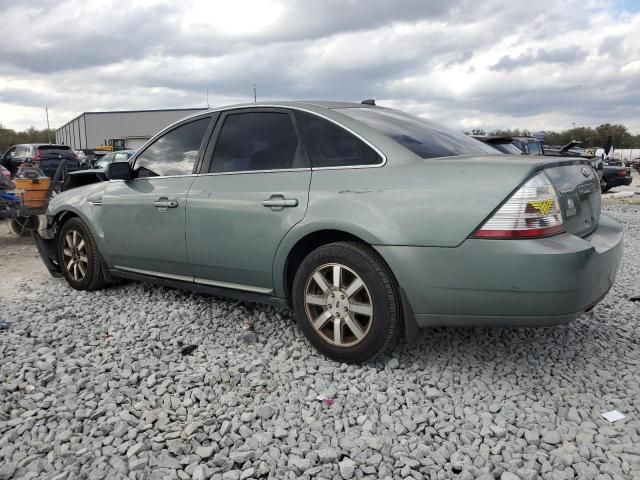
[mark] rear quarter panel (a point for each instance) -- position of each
(435, 202)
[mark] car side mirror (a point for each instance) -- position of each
(119, 171)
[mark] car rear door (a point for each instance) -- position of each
(144, 218)
(254, 189)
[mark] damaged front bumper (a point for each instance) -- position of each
(45, 242)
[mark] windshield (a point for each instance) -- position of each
(104, 161)
(422, 137)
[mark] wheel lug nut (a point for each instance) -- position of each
(346, 309)
(333, 295)
(342, 297)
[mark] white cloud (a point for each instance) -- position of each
(492, 64)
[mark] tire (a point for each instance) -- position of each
(22, 226)
(79, 258)
(367, 317)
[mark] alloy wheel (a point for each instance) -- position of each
(338, 305)
(75, 255)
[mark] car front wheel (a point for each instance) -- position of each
(345, 302)
(80, 260)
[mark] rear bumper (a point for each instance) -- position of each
(535, 282)
(618, 181)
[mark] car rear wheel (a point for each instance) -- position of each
(80, 260)
(345, 302)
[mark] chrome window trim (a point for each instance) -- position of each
(239, 172)
(331, 120)
(254, 106)
(200, 281)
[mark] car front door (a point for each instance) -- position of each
(255, 191)
(144, 218)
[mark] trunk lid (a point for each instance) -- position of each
(578, 189)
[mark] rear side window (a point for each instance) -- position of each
(174, 153)
(21, 151)
(422, 137)
(257, 141)
(329, 145)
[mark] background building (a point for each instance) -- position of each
(90, 129)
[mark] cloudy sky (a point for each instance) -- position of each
(539, 64)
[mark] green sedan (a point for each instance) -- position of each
(365, 221)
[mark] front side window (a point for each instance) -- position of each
(329, 145)
(174, 153)
(424, 138)
(21, 152)
(257, 141)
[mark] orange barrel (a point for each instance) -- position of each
(35, 191)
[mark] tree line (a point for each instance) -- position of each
(9, 137)
(590, 137)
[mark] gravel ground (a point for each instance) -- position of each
(97, 386)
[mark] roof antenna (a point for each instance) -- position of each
(208, 98)
(255, 96)
(369, 101)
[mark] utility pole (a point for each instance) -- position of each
(46, 111)
(255, 96)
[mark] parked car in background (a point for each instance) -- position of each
(120, 156)
(339, 211)
(614, 174)
(513, 145)
(45, 156)
(88, 157)
(532, 146)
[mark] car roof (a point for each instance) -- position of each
(327, 104)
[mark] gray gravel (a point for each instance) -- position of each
(95, 386)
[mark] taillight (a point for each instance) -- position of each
(532, 211)
(622, 173)
(36, 159)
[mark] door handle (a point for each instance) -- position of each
(165, 203)
(278, 201)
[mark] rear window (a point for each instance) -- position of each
(53, 147)
(55, 150)
(422, 137)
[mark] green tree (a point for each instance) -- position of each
(9, 137)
